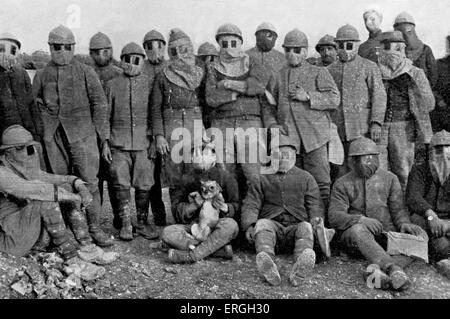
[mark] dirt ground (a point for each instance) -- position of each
(142, 271)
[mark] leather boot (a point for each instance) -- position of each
(156, 201)
(226, 252)
(267, 268)
(143, 228)
(304, 255)
(180, 256)
(399, 279)
(123, 199)
(93, 219)
(78, 224)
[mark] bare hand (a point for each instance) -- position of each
(299, 94)
(375, 132)
(161, 145)
(106, 152)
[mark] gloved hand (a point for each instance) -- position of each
(189, 210)
(282, 127)
(250, 234)
(232, 85)
(83, 192)
(412, 229)
(106, 152)
(218, 203)
(299, 94)
(152, 150)
(438, 227)
(161, 145)
(375, 132)
(372, 224)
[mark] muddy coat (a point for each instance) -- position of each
(363, 98)
(427, 62)
(107, 73)
(379, 197)
(370, 48)
(293, 194)
(17, 105)
(272, 61)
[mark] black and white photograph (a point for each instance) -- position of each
(224, 154)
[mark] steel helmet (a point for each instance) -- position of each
(100, 41)
(207, 49)
(326, 40)
(61, 35)
(154, 36)
(266, 26)
(10, 37)
(363, 146)
(16, 135)
(404, 17)
(347, 33)
(440, 138)
(295, 38)
(229, 29)
(132, 48)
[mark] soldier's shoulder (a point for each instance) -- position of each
(366, 62)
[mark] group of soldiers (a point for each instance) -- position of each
(84, 122)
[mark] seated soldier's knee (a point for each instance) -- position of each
(167, 233)
(304, 228)
(440, 247)
(357, 231)
(264, 225)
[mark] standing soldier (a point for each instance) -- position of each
(363, 98)
(127, 145)
(101, 52)
(175, 102)
(304, 94)
(234, 88)
(155, 45)
(410, 99)
(327, 48)
(17, 105)
(73, 109)
(371, 48)
(264, 53)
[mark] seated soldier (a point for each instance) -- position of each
(30, 199)
(428, 195)
(186, 211)
(364, 204)
(277, 214)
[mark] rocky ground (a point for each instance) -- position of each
(143, 272)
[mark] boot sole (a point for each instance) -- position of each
(303, 266)
(399, 280)
(267, 268)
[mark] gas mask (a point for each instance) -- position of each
(132, 64)
(208, 58)
(409, 34)
(285, 157)
(102, 57)
(440, 163)
(24, 159)
(365, 166)
(392, 60)
(230, 47)
(347, 50)
(265, 40)
(61, 54)
(328, 54)
(182, 52)
(372, 20)
(9, 52)
(295, 56)
(155, 51)
(204, 158)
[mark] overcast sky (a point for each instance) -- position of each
(126, 21)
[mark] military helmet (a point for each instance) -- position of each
(99, 41)
(229, 29)
(266, 26)
(363, 146)
(132, 48)
(61, 35)
(16, 135)
(326, 40)
(177, 34)
(295, 38)
(10, 37)
(440, 138)
(392, 36)
(207, 49)
(404, 17)
(154, 36)
(347, 33)
(284, 140)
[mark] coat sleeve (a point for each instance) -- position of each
(326, 96)
(232, 195)
(252, 204)
(215, 96)
(431, 67)
(426, 97)
(269, 111)
(255, 86)
(109, 111)
(56, 179)
(378, 95)
(338, 215)
(416, 190)
(313, 201)
(156, 104)
(396, 204)
(34, 111)
(97, 100)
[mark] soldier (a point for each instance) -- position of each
(155, 46)
(305, 94)
(428, 197)
(365, 203)
(264, 53)
(101, 52)
(186, 211)
(207, 52)
(373, 17)
(127, 142)
(73, 109)
(277, 214)
(327, 48)
(30, 201)
(407, 123)
(17, 105)
(234, 88)
(363, 98)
